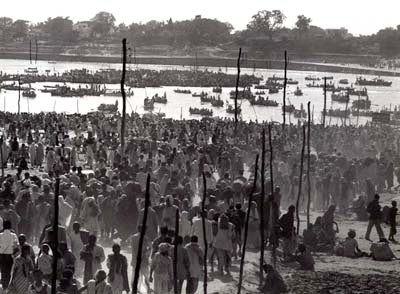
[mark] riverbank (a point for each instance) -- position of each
(207, 62)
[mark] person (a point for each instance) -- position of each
(392, 221)
(286, 222)
(38, 286)
(8, 246)
(304, 258)
(77, 241)
(350, 246)
(45, 262)
(161, 266)
(196, 259)
(157, 241)
(310, 237)
(22, 242)
(68, 258)
(144, 267)
(21, 272)
(99, 285)
(223, 244)
(273, 282)
(93, 255)
(375, 215)
(118, 270)
(183, 263)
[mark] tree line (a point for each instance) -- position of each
(265, 32)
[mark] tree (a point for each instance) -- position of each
(303, 23)
(5, 28)
(103, 23)
(60, 29)
(266, 22)
(20, 29)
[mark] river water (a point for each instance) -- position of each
(178, 104)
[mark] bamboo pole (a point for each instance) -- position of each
(262, 235)
(324, 111)
(175, 265)
(55, 238)
(237, 87)
(141, 239)
(308, 164)
(36, 53)
(123, 96)
(274, 213)
(284, 92)
(203, 221)
(300, 179)
(246, 227)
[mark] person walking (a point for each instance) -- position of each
(8, 246)
(375, 216)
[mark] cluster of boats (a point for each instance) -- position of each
(149, 102)
(200, 111)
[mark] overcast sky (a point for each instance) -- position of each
(359, 16)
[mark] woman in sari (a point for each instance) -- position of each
(21, 272)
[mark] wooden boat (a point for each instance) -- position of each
(364, 104)
(109, 108)
(148, 104)
(337, 112)
(273, 91)
(261, 101)
(217, 90)
(183, 91)
(377, 82)
(260, 93)
(29, 93)
(199, 94)
(312, 78)
(118, 93)
(344, 81)
(31, 70)
(260, 87)
(289, 108)
(200, 111)
(244, 94)
(160, 99)
(340, 97)
(231, 109)
(217, 102)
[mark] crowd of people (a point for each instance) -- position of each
(103, 184)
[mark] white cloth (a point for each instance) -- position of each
(8, 242)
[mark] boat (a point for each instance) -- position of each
(13, 87)
(312, 78)
(183, 91)
(31, 70)
(200, 111)
(377, 82)
(160, 99)
(298, 92)
(344, 81)
(288, 108)
(205, 98)
(244, 94)
(29, 93)
(300, 113)
(261, 101)
(118, 93)
(364, 104)
(217, 102)
(148, 104)
(217, 90)
(231, 109)
(341, 97)
(260, 87)
(273, 91)
(361, 92)
(260, 93)
(337, 112)
(199, 94)
(329, 86)
(108, 108)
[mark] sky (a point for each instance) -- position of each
(358, 16)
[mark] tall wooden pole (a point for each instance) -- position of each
(175, 265)
(300, 179)
(123, 96)
(237, 87)
(1, 154)
(246, 227)
(36, 53)
(262, 235)
(203, 221)
(141, 239)
(274, 214)
(308, 164)
(55, 238)
(324, 111)
(284, 92)
(30, 51)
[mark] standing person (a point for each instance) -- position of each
(118, 274)
(375, 216)
(392, 221)
(76, 241)
(8, 245)
(99, 285)
(286, 222)
(183, 264)
(21, 272)
(224, 245)
(161, 265)
(38, 286)
(144, 267)
(196, 259)
(93, 255)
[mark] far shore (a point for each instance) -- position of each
(209, 61)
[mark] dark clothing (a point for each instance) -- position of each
(392, 220)
(6, 263)
(374, 210)
(286, 222)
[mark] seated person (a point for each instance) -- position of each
(310, 237)
(273, 282)
(304, 258)
(350, 246)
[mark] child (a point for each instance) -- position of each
(392, 220)
(350, 246)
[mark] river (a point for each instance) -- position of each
(178, 104)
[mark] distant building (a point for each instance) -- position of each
(342, 32)
(197, 16)
(84, 28)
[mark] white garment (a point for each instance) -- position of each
(8, 242)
